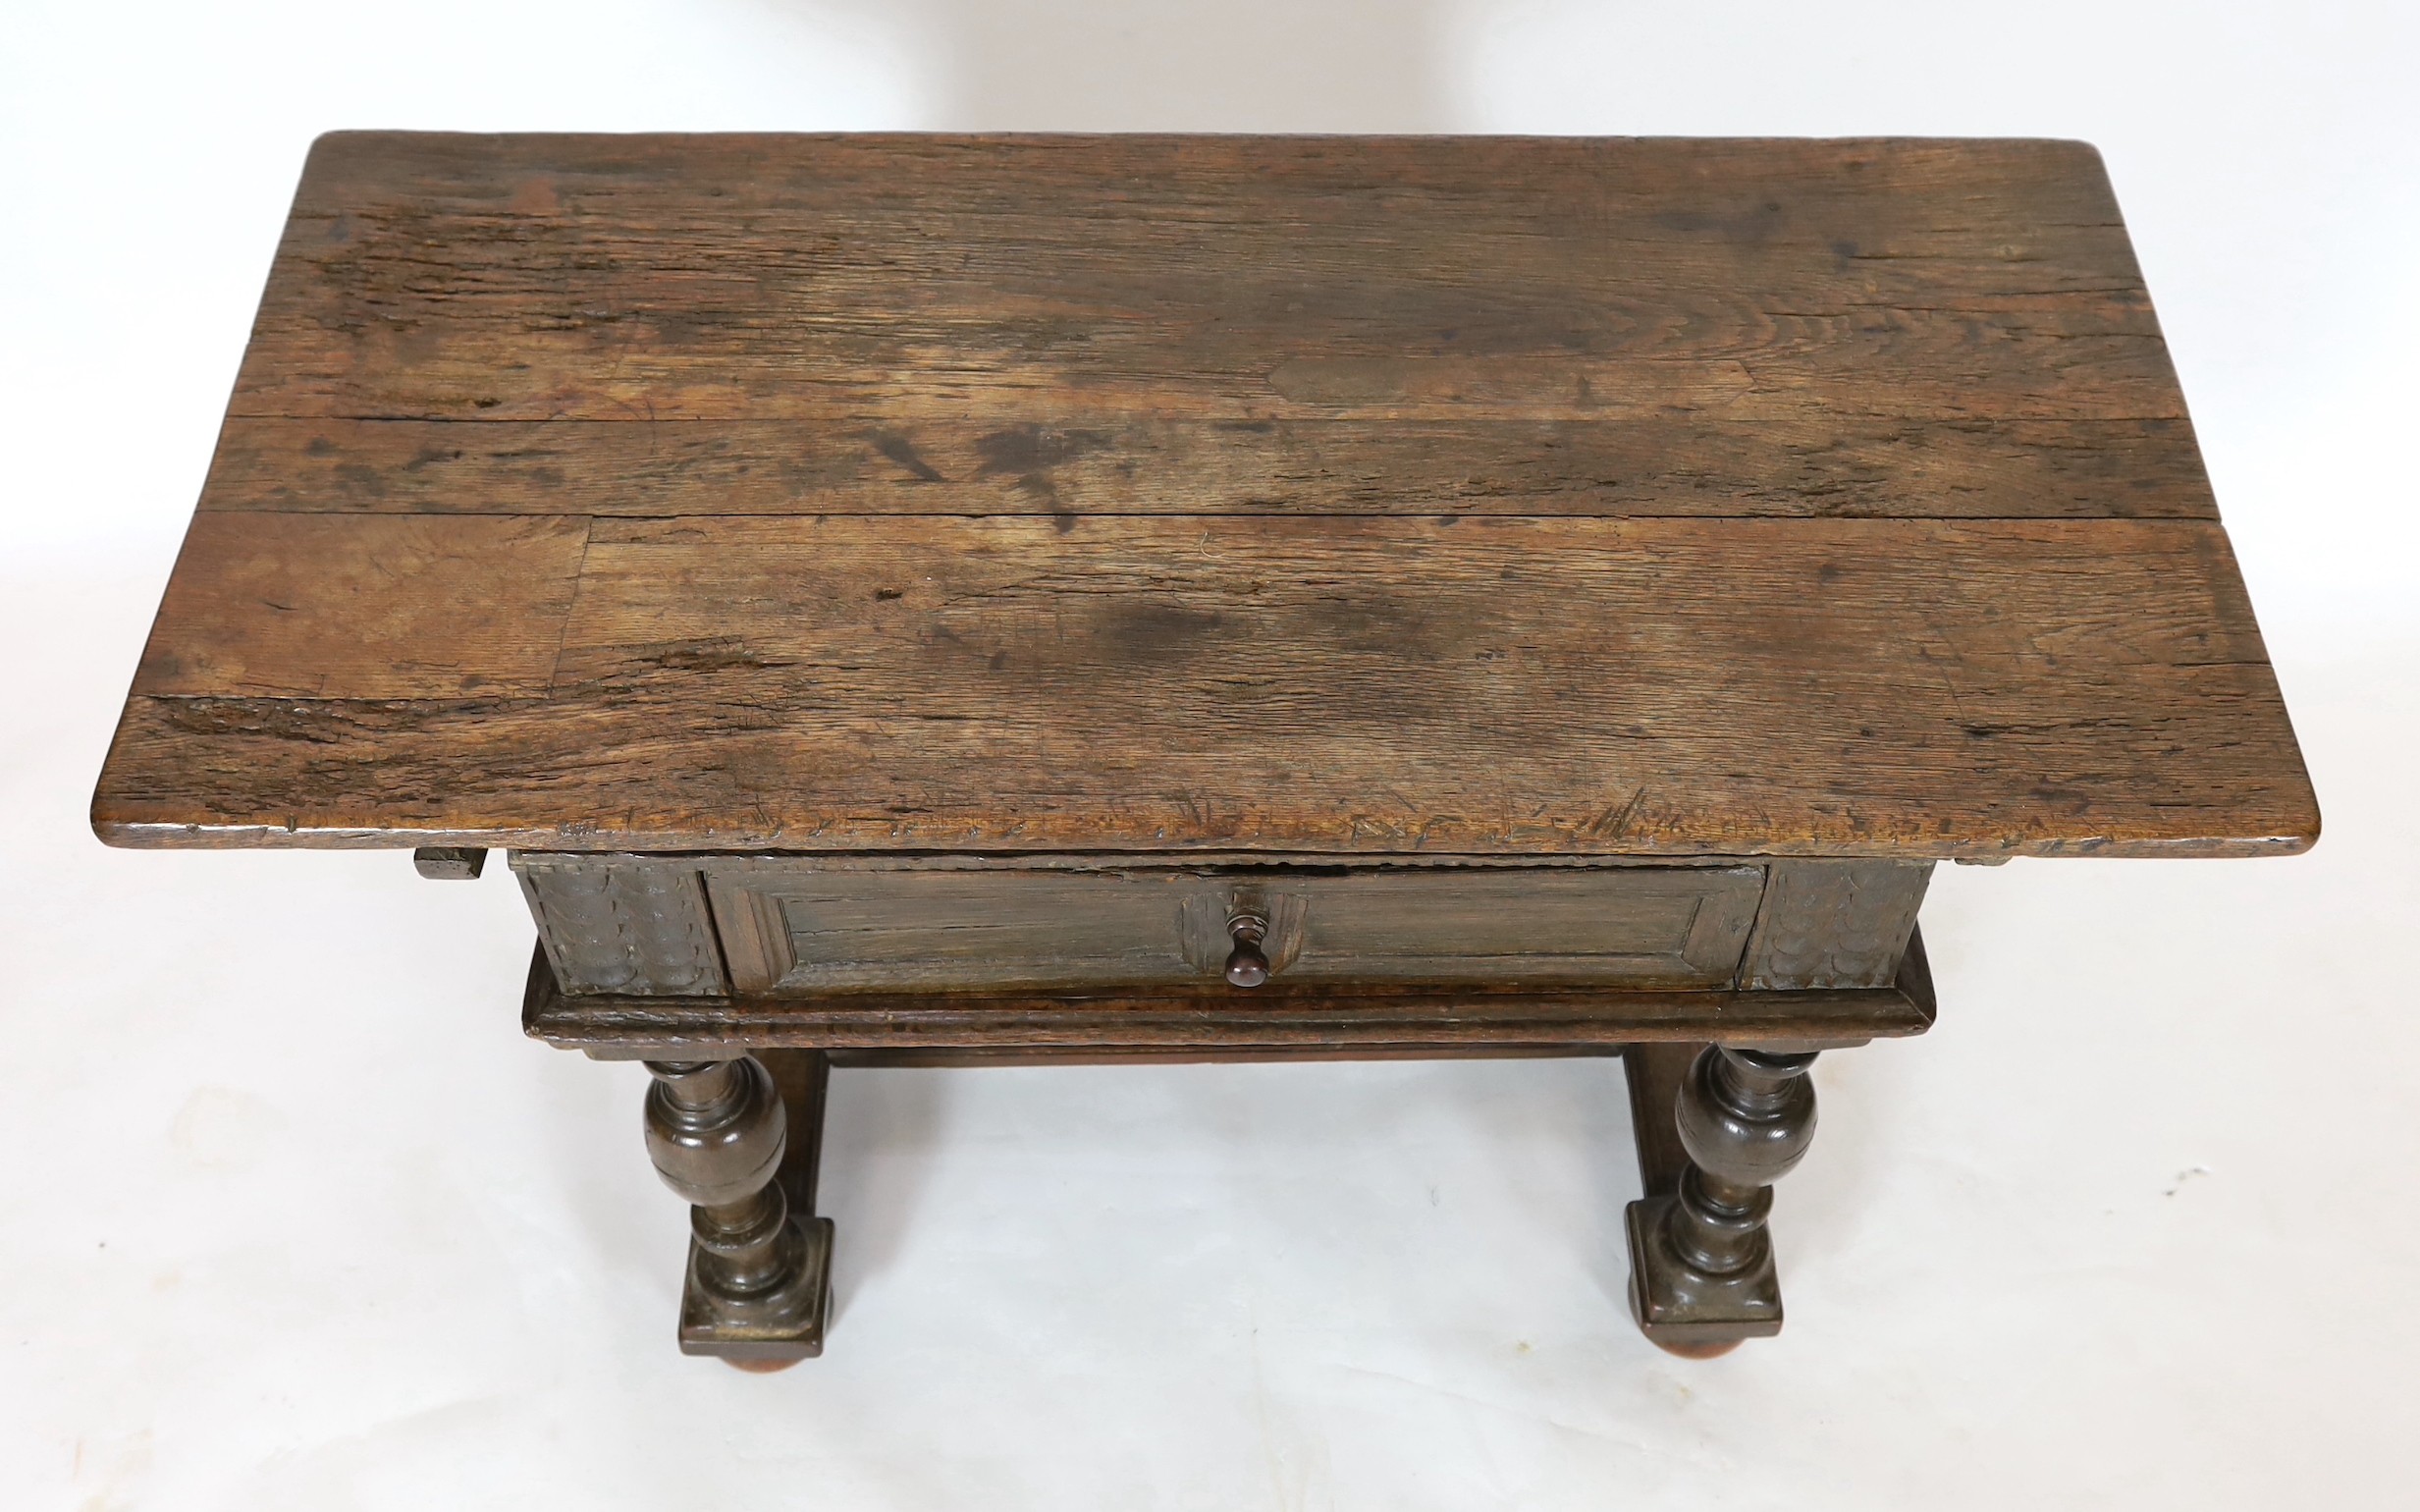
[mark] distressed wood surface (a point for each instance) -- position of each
(394, 608)
(1540, 684)
(1649, 465)
(1291, 495)
(904, 278)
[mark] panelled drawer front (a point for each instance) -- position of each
(1649, 926)
(798, 927)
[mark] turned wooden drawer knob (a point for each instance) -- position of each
(1247, 965)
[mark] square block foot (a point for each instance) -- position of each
(780, 1328)
(1687, 1313)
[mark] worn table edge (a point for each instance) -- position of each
(141, 834)
(338, 136)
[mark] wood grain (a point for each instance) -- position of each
(1649, 464)
(891, 279)
(1284, 495)
(301, 607)
(1542, 686)
(1156, 324)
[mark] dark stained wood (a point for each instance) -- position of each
(803, 1077)
(1834, 923)
(1541, 685)
(1654, 1073)
(1052, 1055)
(965, 1059)
(449, 863)
(1703, 1272)
(630, 923)
(1392, 1017)
(758, 1289)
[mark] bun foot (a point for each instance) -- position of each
(769, 1367)
(1693, 1351)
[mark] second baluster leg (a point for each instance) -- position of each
(758, 1285)
(1701, 1260)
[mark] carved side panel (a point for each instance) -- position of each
(1827, 924)
(623, 924)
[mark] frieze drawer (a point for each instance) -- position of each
(791, 926)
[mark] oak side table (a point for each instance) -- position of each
(950, 600)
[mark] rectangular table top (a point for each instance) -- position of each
(1302, 495)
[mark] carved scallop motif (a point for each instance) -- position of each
(623, 924)
(1827, 924)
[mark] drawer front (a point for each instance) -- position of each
(799, 927)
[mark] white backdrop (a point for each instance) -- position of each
(291, 1216)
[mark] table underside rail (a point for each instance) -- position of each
(1324, 1021)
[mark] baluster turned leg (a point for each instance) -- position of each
(758, 1286)
(1701, 1260)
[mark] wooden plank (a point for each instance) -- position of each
(1643, 465)
(291, 606)
(882, 281)
(1905, 689)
